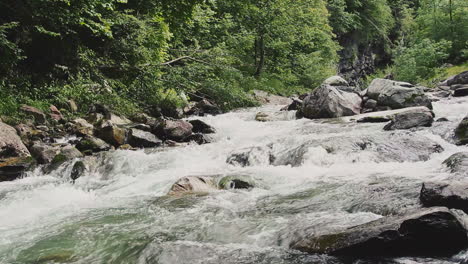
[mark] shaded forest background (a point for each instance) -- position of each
(156, 55)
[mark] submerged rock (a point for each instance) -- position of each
(373, 119)
(410, 119)
(461, 132)
(425, 232)
(457, 163)
(78, 170)
(328, 102)
(451, 195)
(250, 156)
(193, 184)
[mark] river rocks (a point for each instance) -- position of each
(176, 130)
(397, 94)
(457, 163)
(370, 104)
(461, 78)
(250, 156)
(336, 81)
(202, 127)
(55, 114)
(81, 127)
(236, 182)
(373, 119)
(66, 153)
(451, 195)
(44, 153)
(199, 138)
(13, 168)
(463, 91)
(411, 119)
(204, 107)
(112, 134)
(90, 144)
(461, 132)
(142, 139)
(295, 105)
(267, 98)
(78, 170)
(328, 102)
(424, 232)
(38, 115)
(10, 143)
(193, 184)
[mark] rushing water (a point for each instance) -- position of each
(326, 175)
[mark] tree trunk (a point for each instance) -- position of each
(260, 54)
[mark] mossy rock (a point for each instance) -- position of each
(236, 182)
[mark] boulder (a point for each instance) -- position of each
(142, 139)
(459, 92)
(336, 81)
(13, 168)
(442, 119)
(410, 119)
(461, 78)
(193, 184)
(111, 133)
(451, 195)
(271, 99)
(44, 153)
(10, 143)
(457, 163)
(236, 182)
(397, 94)
(81, 127)
(78, 170)
(90, 144)
(204, 107)
(370, 104)
(328, 102)
(143, 127)
(38, 115)
(55, 114)
(66, 153)
(426, 232)
(295, 105)
(176, 130)
(461, 132)
(202, 127)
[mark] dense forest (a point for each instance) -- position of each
(156, 55)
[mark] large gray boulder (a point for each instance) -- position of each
(176, 130)
(461, 78)
(451, 195)
(10, 143)
(142, 139)
(424, 232)
(461, 132)
(329, 101)
(90, 144)
(112, 134)
(44, 153)
(397, 94)
(410, 119)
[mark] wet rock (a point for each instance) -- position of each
(451, 195)
(44, 153)
(199, 138)
(112, 134)
(78, 170)
(410, 119)
(202, 127)
(267, 98)
(193, 184)
(13, 168)
(397, 94)
(55, 114)
(461, 132)
(142, 139)
(295, 105)
(10, 143)
(236, 182)
(328, 102)
(90, 144)
(370, 104)
(81, 127)
(461, 92)
(38, 115)
(373, 119)
(262, 117)
(457, 163)
(250, 156)
(204, 107)
(176, 130)
(425, 232)
(443, 94)
(442, 119)
(66, 153)
(461, 78)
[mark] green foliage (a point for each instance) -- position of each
(421, 60)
